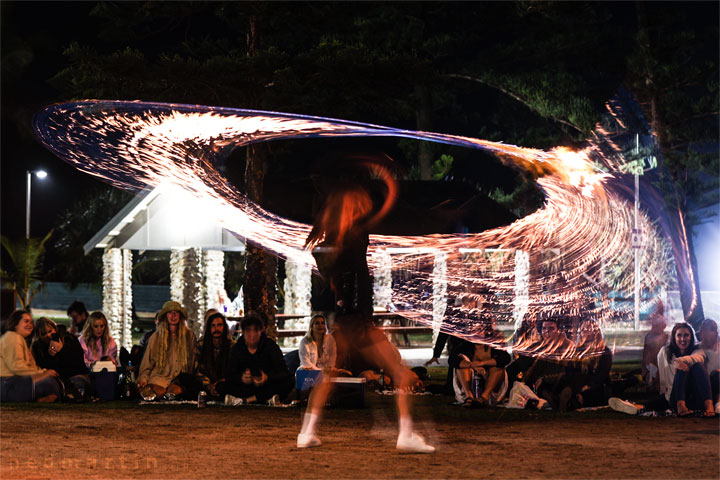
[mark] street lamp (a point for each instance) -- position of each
(39, 174)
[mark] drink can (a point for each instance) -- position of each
(202, 400)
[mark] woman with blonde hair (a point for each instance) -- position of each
(96, 342)
(168, 364)
(317, 348)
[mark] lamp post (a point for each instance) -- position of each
(39, 174)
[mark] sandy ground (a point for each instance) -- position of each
(127, 440)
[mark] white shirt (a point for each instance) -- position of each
(308, 353)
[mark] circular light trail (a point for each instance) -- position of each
(585, 219)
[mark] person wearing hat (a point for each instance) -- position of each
(170, 356)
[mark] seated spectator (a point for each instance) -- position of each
(21, 380)
(587, 382)
(78, 315)
(167, 366)
(469, 360)
(683, 378)
(96, 342)
(710, 344)
(256, 370)
(655, 339)
(549, 343)
(317, 348)
(213, 353)
(61, 352)
(547, 370)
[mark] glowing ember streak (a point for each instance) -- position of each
(583, 222)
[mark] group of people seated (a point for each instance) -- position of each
(571, 374)
(176, 366)
(42, 361)
(566, 374)
(681, 373)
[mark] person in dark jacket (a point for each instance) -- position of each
(469, 360)
(587, 382)
(256, 370)
(64, 354)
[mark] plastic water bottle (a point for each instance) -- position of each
(202, 400)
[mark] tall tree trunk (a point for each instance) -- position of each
(422, 120)
(260, 281)
(681, 234)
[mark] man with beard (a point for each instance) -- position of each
(213, 353)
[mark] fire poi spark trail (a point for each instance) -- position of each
(584, 220)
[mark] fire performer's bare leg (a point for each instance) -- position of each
(385, 354)
(318, 397)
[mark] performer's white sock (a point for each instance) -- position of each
(309, 421)
(405, 424)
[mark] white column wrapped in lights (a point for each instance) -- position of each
(522, 284)
(297, 287)
(382, 284)
(439, 292)
(117, 294)
(186, 285)
(214, 270)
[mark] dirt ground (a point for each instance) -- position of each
(127, 440)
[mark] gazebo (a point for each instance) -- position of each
(163, 219)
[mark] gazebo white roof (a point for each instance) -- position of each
(161, 219)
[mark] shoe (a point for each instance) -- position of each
(169, 397)
(308, 440)
(717, 408)
(234, 401)
(623, 406)
(274, 400)
(413, 443)
(148, 395)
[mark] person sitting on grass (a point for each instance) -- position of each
(167, 366)
(469, 360)
(256, 371)
(710, 344)
(61, 352)
(587, 382)
(96, 342)
(683, 378)
(655, 339)
(213, 353)
(21, 380)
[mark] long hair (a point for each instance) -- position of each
(348, 205)
(184, 345)
(207, 357)
(342, 211)
(14, 318)
(673, 350)
(89, 336)
(309, 334)
(42, 325)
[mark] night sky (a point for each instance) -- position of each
(34, 35)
